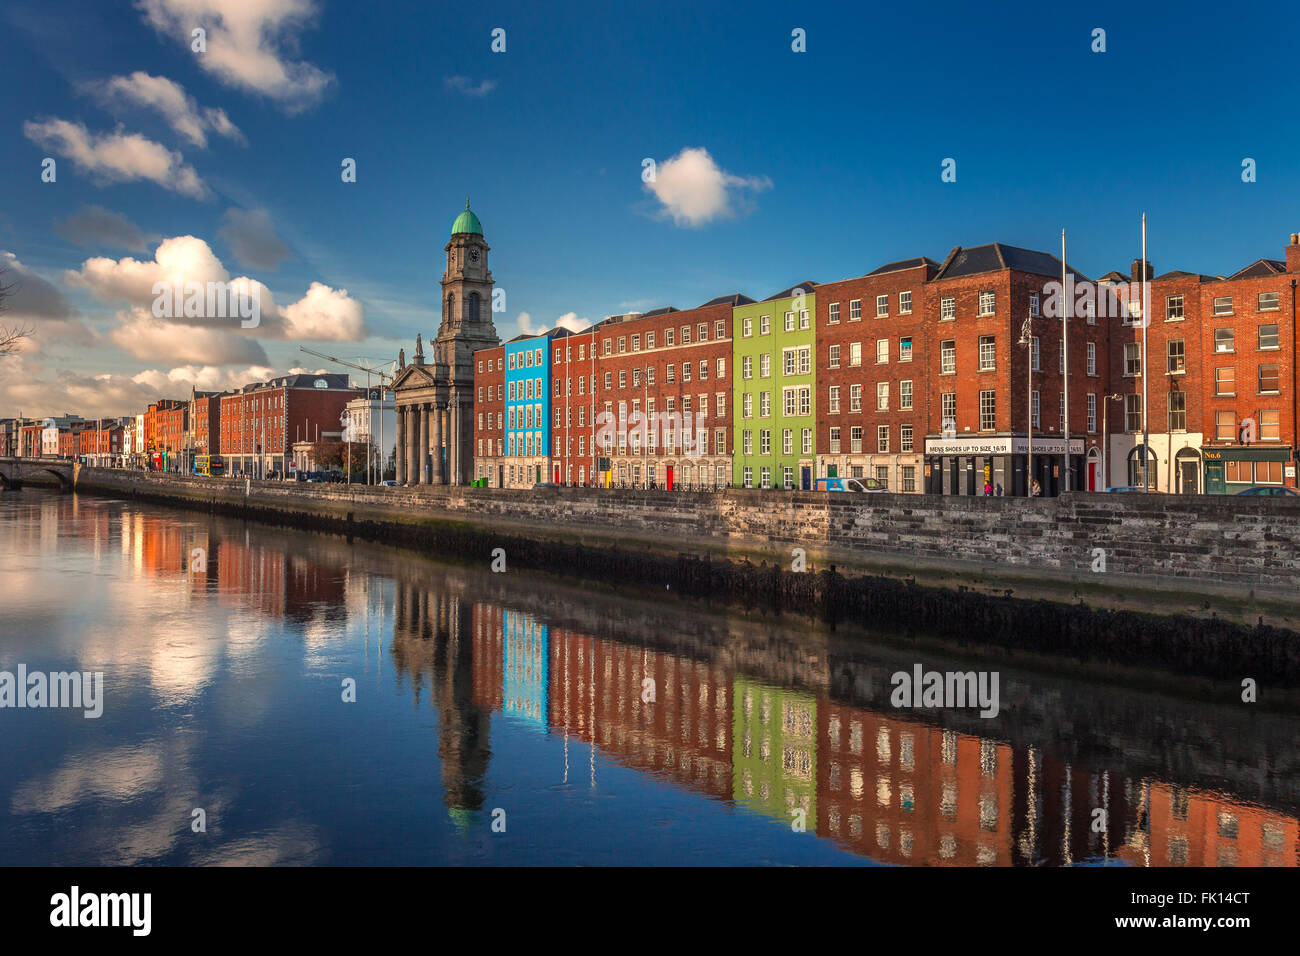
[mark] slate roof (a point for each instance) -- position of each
(807, 286)
(902, 264)
(997, 256)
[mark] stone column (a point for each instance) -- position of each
(400, 463)
(422, 449)
(453, 440)
(412, 439)
(437, 475)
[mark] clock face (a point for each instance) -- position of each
(473, 255)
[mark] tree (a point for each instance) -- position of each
(10, 336)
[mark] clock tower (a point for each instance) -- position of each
(435, 399)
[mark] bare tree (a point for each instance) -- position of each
(10, 336)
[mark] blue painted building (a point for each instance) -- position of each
(528, 408)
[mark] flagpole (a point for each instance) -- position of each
(1065, 367)
(1146, 320)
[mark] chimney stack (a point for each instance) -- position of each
(1136, 271)
(1293, 254)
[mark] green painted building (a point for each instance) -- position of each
(774, 410)
(774, 751)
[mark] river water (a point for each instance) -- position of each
(280, 697)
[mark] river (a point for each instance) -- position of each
(283, 697)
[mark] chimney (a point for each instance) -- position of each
(1293, 254)
(1136, 271)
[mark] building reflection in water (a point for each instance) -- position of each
(883, 784)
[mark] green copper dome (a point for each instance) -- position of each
(467, 222)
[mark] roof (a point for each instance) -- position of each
(805, 287)
(467, 222)
(1260, 268)
(997, 257)
(1114, 275)
(735, 299)
(902, 264)
(664, 311)
(1180, 274)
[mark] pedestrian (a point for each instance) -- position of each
(1035, 489)
(999, 491)
(988, 489)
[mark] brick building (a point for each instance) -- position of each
(872, 362)
(980, 305)
(205, 423)
(489, 416)
(261, 421)
(573, 453)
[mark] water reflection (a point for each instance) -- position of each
(226, 673)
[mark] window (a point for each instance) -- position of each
(622, 344)
(1133, 412)
(787, 441)
(988, 409)
(1035, 354)
(905, 349)
(746, 328)
(669, 336)
(948, 405)
(833, 357)
(702, 332)
(1268, 302)
(746, 367)
(833, 399)
(907, 478)
(835, 314)
(649, 340)
(988, 353)
(722, 368)
(1132, 359)
(1224, 340)
(1270, 426)
(686, 371)
(855, 310)
(855, 354)
(1268, 380)
(686, 335)
(1092, 412)
(1060, 356)
(789, 321)
(1092, 358)
(855, 398)
(1225, 426)
(807, 443)
(765, 366)
(747, 443)
(988, 301)
(947, 307)
(1035, 309)
(948, 356)
(1223, 305)
(765, 480)
(607, 346)
(905, 394)
(1174, 308)
(904, 302)
(882, 396)
(670, 373)
(1178, 411)
(720, 329)
(636, 378)
(764, 404)
(882, 351)
(882, 306)
(650, 374)
(622, 379)
(765, 441)
(1268, 337)
(1225, 380)
(1176, 352)
(747, 405)
(636, 343)
(803, 319)
(905, 438)
(749, 476)
(835, 440)
(704, 371)
(1035, 410)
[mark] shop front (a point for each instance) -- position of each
(1230, 469)
(1000, 465)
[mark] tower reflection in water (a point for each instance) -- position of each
(755, 729)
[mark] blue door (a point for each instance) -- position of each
(807, 478)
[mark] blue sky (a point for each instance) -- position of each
(820, 165)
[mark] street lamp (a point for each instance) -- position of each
(1105, 435)
(1027, 340)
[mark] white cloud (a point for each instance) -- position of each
(568, 321)
(323, 313)
(466, 86)
(246, 43)
(144, 337)
(694, 190)
(40, 307)
(117, 157)
(170, 100)
(253, 239)
(205, 378)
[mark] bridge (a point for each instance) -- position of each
(15, 472)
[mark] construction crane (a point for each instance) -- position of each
(385, 377)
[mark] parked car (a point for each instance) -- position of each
(1271, 491)
(1129, 488)
(545, 484)
(873, 485)
(388, 483)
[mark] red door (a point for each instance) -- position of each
(1092, 476)
(670, 477)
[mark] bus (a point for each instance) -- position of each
(209, 465)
